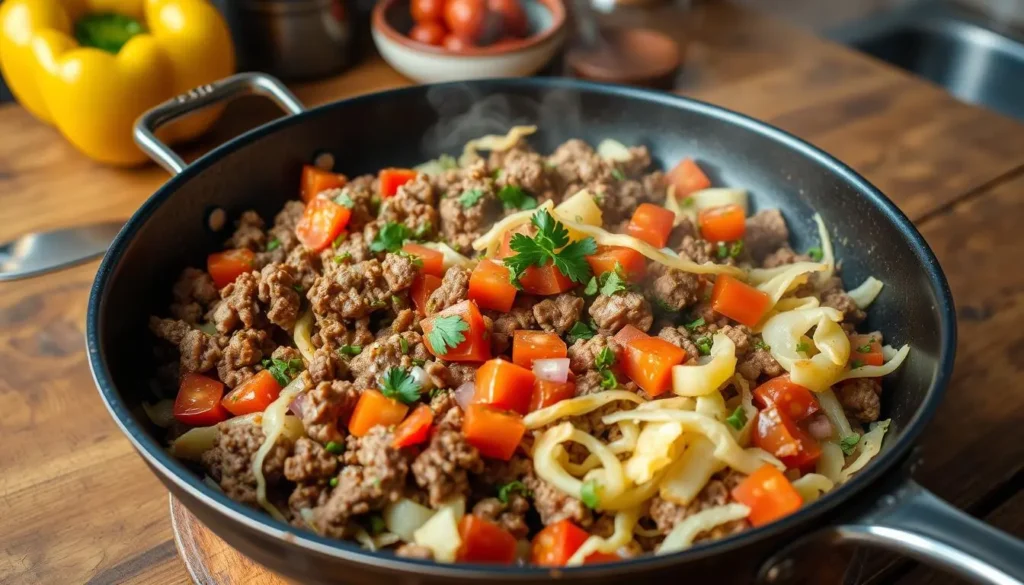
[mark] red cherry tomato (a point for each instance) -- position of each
(454, 43)
(429, 33)
(427, 10)
(465, 18)
(513, 17)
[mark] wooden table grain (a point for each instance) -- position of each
(77, 505)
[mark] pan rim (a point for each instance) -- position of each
(186, 480)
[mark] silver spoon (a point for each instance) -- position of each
(38, 253)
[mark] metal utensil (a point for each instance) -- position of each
(38, 253)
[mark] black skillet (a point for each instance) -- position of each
(178, 226)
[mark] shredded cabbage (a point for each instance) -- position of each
(161, 413)
(274, 420)
(717, 197)
(828, 257)
(613, 150)
(794, 276)
(812, 486)
(835, 413)
(708, 377)
(682, 534)
(576, 406)
(657, 446)
(441, 535)
(866, 293)
(489, 242)
(870, 444)
(688, 474)
(405, 517)
(832, 460)
(548, 465)
(302, 335)
(681, 210)
(785, 331)
(625, 522)
(878, 371)
(494, 142)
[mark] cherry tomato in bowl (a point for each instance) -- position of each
(427, 10)
(466, 18)
(511, 15)
(454, 43)
(429, 33)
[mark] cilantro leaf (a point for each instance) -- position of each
(343, 257)
(344, 200)
(549, 231)
(334, 448)
(273, 244)
(605, 358)
(760, 344)
(470, 198)
(447, 332)
(738, 418)
(722, 251)
(590, 494)
(551, 244)
(613, 283)
(511, 487)
(592, 286)
(703, 345)
(848, 443)
(736, 248)
(513, 197)
(866, 348)
(618, 175)
(608, 380)
(284, 371)
(815, 254)
(338, 240)
(404, 345)
(692, 325)
(350, 350)
(580, 330)
(390, 237)
(572, 259)
(399, 385)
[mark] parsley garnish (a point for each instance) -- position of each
(470, 198)
(856, 364)
(703, 345)
(511, 487)
(390, 237)
(416, 260)
(815, 254)
(351, 350)
(569, 259)
(590, 494)
(760, 344)
(580, 330)
(802, 347)
(607, 283)
(333, 482)
(692, 325)
(738, 418)
(619, 175)
(399, 385)
(404, 345)
(866, 348)
(334, 448)
(848, 443)
(273, 244)
(344, 200)
(342, 258)
(722, 251)
(608, 380)
(284, 371)
(605, 358)
(447, 332)
(735, 248)
(513, 197)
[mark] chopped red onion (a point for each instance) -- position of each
(819, 427)
(419, 375)
(552, 369)
(464, 394)
(298, 405)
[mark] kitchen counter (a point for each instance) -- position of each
(78, 505)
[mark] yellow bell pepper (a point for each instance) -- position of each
(91, 67)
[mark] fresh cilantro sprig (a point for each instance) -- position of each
(604, 360)
(580, 330)
(390, 237)
(693, 325)
(849, 443)
(399, 385)
(284, 371)
(273, 244)
(550, 245)
(607, 283)
(513, 197)
(505, 491)
(470, 198)
(738, 418)
(344, 200)
(448, 331)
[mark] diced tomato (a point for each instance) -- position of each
(415, 428)
(505, 249)
(489, 286)
(372, 409)
(789, 397)
(389, 180)
(628, 334)
(475, 346)
(321, 223)
(777, 434)
(687, 178)
(633, 263)
(652, 224)
(253, 395)
(546, 392)
(873, 346)
(494, 433)
(316, 180)
(504, 385)
(423, 286)
(198, 401)
(768, 494)
(555, 545)
(544, 280)
(484, 541)
(725, 223)
(433, 261)
(224, 267)
(598, 557)
(739, 301)
(648, 362)
(528, 346)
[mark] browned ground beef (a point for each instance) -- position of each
(357, 291)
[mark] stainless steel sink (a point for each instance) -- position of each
(953, 49)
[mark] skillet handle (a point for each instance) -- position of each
(909, 520)
(201, 97)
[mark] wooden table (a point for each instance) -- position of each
(78, 505)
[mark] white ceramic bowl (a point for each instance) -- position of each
(428, 64)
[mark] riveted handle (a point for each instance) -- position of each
(201, 97)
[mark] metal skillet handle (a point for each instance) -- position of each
(910, 520)
(201, 97)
